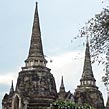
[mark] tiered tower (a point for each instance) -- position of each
(63, 95)
(35, 88)
(62, 88)
(7, 99)
(87, 91)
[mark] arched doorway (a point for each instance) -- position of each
(16, 102)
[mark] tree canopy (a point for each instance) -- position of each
(69, 105)
(97, 29)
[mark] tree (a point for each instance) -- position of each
(97, 29)
(105, 78)
(69, 105)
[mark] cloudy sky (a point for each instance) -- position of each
(60, 21)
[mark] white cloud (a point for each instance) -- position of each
(68, 65)
(7, 78)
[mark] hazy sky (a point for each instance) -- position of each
(60, 22)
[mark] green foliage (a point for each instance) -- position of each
(97, 29)
(105, 78)
(69, 105)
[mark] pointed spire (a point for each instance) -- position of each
(87, 70)
(12, 88)
(62, 88)
(36, 49)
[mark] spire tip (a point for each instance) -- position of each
(12, 88)
(36, 3)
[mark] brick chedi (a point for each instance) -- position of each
(63, 95)
(87, 92)
(7, 99)
(35, 88)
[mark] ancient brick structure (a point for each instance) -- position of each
(87, 91)
(36, 88)
(63, 95)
